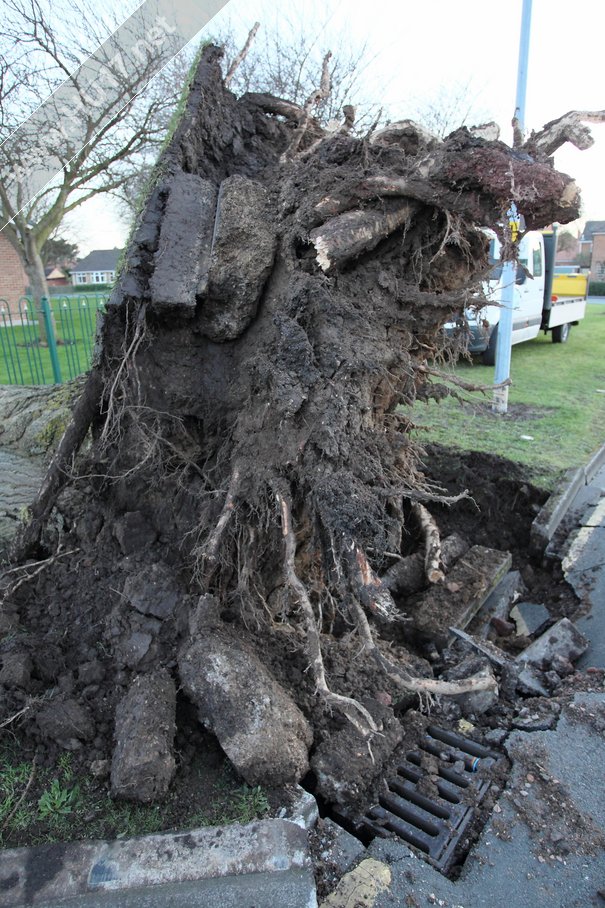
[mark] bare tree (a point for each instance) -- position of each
(37, 55)
(285, 58)
(449, 107)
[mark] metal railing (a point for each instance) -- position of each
(50, 343)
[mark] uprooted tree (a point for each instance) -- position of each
(218, 515)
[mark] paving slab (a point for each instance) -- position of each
(515, 862)
(260, 865)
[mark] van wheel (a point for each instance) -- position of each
(489, 354)
(560, 334)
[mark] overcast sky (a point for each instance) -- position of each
(417, 49)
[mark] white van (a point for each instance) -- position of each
(538, 302)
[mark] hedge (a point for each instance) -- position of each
(596, 288)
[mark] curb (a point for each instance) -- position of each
(260, 865)
(557, 506)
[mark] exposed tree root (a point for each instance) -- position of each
(206, 556)
(432, 543)
(424, 687)
(350, 707)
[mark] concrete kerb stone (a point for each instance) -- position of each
(240, 866)
(594, 464)
(554, 510)
(559, 503)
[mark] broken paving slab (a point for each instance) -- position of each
(529, 617)
(457, 600)
(260, 865)
(182, 259)
(498, 603)
(563, 641)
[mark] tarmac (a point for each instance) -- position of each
(543, 846)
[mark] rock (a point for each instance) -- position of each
(258, 725)
(562, 666)
(152, 592)
(529, 617)
(143, 764)
(540, 716)
(16, 670)
(532, 682)
(66, 722)
(563, 640)
(134, 532)
(502, 628)
(495, 737)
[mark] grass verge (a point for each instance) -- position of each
(60, 803)
(556, 416)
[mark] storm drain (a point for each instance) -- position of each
(434, 798)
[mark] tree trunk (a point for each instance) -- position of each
(249, 465)
(34, 268)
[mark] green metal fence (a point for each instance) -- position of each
(51, 343)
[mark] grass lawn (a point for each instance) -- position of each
(23, 361)
(556, 398)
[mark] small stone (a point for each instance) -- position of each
(530, 778)
(532, 683)
(99, 769)
(502, 627)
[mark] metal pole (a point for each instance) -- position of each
(509, 269)
(50, 337)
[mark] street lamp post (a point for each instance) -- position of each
(509, 269)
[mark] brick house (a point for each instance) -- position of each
(13, 280)
(98, 267)
(592, 248)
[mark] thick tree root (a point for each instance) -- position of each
(350, 707)
(432, 543)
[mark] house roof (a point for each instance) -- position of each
(591, 228)
(52, 274)
(99, 260)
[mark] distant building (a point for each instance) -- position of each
(592, 249)
(99, 267)
(56, 277)
(13, 280)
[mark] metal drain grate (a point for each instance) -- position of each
(432, 810)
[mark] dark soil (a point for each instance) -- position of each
(64, 646)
